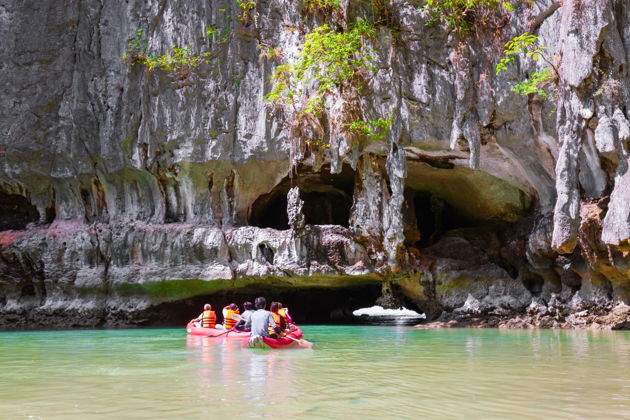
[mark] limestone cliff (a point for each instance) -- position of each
(123, 190)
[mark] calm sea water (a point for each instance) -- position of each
(353, 372)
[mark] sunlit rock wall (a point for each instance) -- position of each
(112, 175)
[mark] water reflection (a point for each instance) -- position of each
(258, 379)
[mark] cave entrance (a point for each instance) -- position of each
(307, 305)
(428, 217)
(327, 199)
(16, 211)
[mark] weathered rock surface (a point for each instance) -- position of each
(479, 202)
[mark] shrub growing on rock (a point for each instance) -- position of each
(528, 46)
(463, 14)
(179, 62)
(329, 59)
(331, 62)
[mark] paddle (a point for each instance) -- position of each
(219, 335)
(235, 317)
(301, 342)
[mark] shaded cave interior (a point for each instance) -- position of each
(427, 217)
(307, 305)
(16, 211)
(328, 200)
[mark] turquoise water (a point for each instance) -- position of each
(353, 372)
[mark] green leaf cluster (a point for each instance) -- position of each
(460, 14)
(246, 7)
(137, 48)
(376, 130)
(322, 4)
(535, 83)
(525, 44)
(529, 46)
(329, 59)
(180, 61)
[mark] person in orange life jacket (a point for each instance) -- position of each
(228, 319)
(280, 320)
(207, 319)
(242, 324)
(285, 313)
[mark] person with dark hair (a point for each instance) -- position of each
(280, 320)
(261, 320)
(207, 319)
(230, 315)
(244, 324)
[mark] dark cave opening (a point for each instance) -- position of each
(270, 211)
(16, 211)
(427, 217)
(51, 214)
(534, 284)
(313, 305)
(327, 199)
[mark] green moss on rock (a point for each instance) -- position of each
(171, 290)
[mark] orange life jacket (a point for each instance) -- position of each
(283, 314)
(209, 319)
(280, 322)
(228, 322)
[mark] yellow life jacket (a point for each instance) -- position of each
(228, 322)
(209, 319)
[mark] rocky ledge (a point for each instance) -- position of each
(555, 314)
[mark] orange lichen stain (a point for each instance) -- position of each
(9, 236)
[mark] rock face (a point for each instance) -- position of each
(477, 199)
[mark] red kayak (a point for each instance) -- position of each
(214, 332)
(293, 340)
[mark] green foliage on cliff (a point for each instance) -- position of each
(329, 59)
(179, 62)
(525, 44)
(245, 8)
(137, 48)
(172, 290)
(463, 14)
(535, 83)
(375, 130)
(528, 46)
(322, 4)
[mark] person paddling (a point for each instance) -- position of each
(262, 320)
(207, 319)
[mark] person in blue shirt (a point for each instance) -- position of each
(261, 320)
